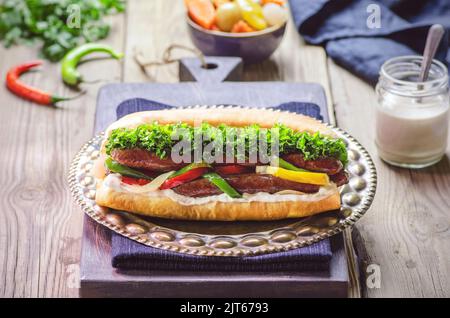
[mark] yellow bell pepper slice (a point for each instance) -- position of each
(296, 176)
(252, 14)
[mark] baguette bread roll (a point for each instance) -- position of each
(293, 206)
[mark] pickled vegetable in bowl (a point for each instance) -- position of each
(249, 29)
(237, 16)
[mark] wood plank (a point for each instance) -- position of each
(41, 226)
(406, 231)
(152, 27)
(294, 61)
(253, 94)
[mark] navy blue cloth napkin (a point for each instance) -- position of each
(130, 255)
(341, 27)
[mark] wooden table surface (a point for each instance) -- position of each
(406, 232)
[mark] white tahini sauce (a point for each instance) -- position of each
(114, 182)
(412, 117)
(410, 134)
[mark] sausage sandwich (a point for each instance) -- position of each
(220, 164)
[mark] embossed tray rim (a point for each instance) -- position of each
(134, 231)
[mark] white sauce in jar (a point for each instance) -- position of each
(412, 117)
(411, 135)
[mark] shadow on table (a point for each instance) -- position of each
(440, 169)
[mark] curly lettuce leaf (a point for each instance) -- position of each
(158, 139)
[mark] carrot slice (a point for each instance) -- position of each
(242, 27)
(279, 2)
(201, 12)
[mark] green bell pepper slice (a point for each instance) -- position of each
(222, 184)
(288, 166)
(116, 167)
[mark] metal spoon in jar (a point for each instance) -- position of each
(434, 37)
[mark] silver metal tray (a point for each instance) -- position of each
(229, 238)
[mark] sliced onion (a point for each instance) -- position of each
(152, 186)
(261, 169)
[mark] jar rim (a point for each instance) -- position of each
(397, 59)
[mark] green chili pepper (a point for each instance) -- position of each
(116, 167)
(70, 61)
(288, 166)
(190, 167)
(222, 184)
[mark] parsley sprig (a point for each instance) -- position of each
(25, 21)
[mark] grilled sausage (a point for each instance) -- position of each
(329, 166)
(143, 159)
(340, 178)
(246, 183)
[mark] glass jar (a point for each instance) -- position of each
(412, 116)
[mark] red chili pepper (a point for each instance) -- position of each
(231, 169)
(183, 178)
(28, 92)
(134, 181)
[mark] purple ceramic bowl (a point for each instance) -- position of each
(252, 47)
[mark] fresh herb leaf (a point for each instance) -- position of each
(55, 23)
(158, 139)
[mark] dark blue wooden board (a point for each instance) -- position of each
(254, 94)
(99, 279)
